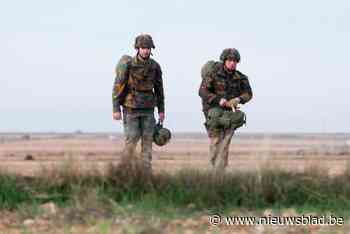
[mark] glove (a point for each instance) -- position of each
(223, 102)
(233, 102)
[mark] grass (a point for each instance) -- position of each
(126, 188)
(12, 195)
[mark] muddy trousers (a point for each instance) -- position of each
(138, 127)
(219, 148)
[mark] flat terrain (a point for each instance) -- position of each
(27, 154)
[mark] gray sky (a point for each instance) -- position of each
(58, 58)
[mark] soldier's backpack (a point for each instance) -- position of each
(122, 76)
(231, 119)
(224, 119)
(208, 68)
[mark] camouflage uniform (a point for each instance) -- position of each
(138, 88)
(217, 84)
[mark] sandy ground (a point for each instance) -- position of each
(29, 155)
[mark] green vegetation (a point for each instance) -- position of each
(11, 193)
(187, 191)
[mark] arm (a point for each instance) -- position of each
(117, 90)
(159, 90)
(205, 91)
(246, 91)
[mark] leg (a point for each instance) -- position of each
(147, 127)
(224, 150)
(132, 134)
(215, 138)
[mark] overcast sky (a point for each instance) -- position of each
(58, 59)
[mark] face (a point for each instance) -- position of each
(145, 52)
(230, 64)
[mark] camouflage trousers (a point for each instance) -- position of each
(139, 126)
(219, 147)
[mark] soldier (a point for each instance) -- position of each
(138, 89)
(221, 90)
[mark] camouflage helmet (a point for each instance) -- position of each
(144, 41)
(231, 53)
(161, 135)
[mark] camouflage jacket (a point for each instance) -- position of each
(217, 83)
(138, 85)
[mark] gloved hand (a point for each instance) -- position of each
(233, 102)
(223, 102)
